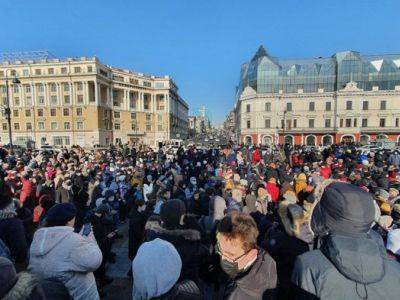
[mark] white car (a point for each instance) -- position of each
(47, 148)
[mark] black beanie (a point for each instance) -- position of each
(171, 213)
(5, 195)
(60, 214)
(8, 276)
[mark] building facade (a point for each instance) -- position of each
(84, 102)
(347, 97)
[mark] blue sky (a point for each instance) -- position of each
(202, 43)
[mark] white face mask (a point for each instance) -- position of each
(111, 199)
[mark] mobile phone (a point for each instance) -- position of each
(87, 228)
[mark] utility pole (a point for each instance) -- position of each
(8, 110)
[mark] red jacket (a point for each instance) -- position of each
(26, 191)
(325, 172)
(273, 190)
(256, 156)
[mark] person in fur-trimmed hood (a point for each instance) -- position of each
(183, 232)
(287, 240)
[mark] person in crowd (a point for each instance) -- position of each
(160, 280)
(251, 271)
(138, 217)
(57, 252)
(351, 255)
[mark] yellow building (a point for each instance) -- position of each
(80, 101)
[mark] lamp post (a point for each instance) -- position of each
(8, 110)
(284, 125)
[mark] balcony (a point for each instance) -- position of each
(307, 130)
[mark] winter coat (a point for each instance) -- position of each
(347, 267)
(137, 223)
(258, 282)
(58, 252)
(256, 156)
(273, 190)
(27, 190)
(12, 233)
(147, 190)
(29, 287)
(186, 241)
(64, 194)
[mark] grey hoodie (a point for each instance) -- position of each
(58, 252)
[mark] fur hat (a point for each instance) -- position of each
(385, 222)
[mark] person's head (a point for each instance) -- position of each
(345, 209)
(172, 212)
(152, 279)
(237, 242)
(8, 276)
(62, 214)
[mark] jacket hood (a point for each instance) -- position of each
(46, 239)
(187, 234)
(358, 258)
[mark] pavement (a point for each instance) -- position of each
(121, 287)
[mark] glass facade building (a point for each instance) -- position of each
(267, 74)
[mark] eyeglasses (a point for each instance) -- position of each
(218, 251)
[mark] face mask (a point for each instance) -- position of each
(230, 268)
(111, 199)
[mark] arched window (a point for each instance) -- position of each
(248, 140)
(327, 140)
(310, 140)
(267, 140)
(289, 140)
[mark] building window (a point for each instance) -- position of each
(268, 106)
(148, 127)
(295, 123)
(15, 113)
(66, 112)
(53, 112)
(53, 87)
(53, 125)
(41, 125)
(63, 70)
(364, 123)
(328, 106)
(382, 122)
(16, 126)
(28, 126)
(148, 117)
(248, 124)
(327, 123)
(5, 127)
(54, 100)
(79, 99)
(383, 105)
(117, 114)
(79, 125)
(311, 106)
(67, 100)
(67, 126)
(282, 124)
(348, 122)
(25, 72)
(133, 126)
(267, 123)
(160, 128)
(349, 105)
(289, 106)
(27, 88)
(79, 86)
(397, 122)
(248, 108)
(341, 122)
(117, 126)
(66, 87)
(355, 123)
(77, 69)
(90, 69)
(41, 100)
(311, 123)
(27, 113)
(38, 72)
(40, 112)
(16, 101)
(40, 88)
(28, 101)
(50, 71)
(79, 111)
(15, 88)
(159, 118)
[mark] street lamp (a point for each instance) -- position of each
(284, 125)
(15, 80)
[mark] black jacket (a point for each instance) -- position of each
(186, 241)
(137, 223)
(12, 233)
(258, 282)
(347, 267)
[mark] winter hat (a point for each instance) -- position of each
(385, 222)
(108, 194)
(302, 176)
(396, 214)
(5, 192)
(8, 276)
(262, 193)
(343, 208)
(102, 209)
(393, 241)
(237, 195)
(385, 208)
(60, 214)
(382, 195)
(100, 201)
(171, 213)
(152, 279)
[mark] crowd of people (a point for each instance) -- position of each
(233, 222)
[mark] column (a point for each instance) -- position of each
(33, 95)
(59, 94)
(110, 96)
(85, 93)
(96, 93)
(72, 93)
(20, 95)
